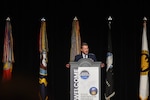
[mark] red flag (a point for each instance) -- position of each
(8, 55)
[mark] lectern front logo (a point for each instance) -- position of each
(84, 74)
(93, 90)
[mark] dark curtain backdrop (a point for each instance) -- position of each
(25, 18)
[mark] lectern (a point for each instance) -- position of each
(85, 80)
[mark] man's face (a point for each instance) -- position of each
(85, 49)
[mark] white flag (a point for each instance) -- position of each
(144, 81)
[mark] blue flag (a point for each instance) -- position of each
(43, 49)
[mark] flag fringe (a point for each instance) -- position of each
(110, 96)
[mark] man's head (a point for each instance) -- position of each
(84, 48)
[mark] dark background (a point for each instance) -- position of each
(25, 18)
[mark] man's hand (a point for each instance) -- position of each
(102, 65)
(68, 65)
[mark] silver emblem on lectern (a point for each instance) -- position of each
(84, 74)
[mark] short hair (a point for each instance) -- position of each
(84, 44)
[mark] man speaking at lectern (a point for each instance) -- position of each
(85, 54)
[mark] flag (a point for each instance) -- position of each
(109, 93)
(43, 49)
(75, 39)
(144, 81)
(8, 55)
